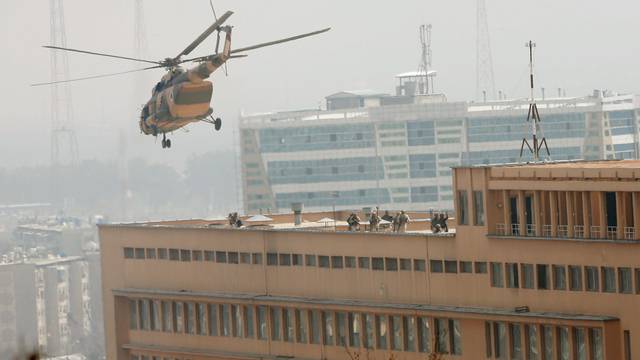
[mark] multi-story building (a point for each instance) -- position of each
(371, 149)
(543, 264)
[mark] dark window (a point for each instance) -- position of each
(350, 262)
(608, 279)
(162, 254)
(256, 258)
(377, 263)
(185, 255)
(285, 259)
(625, 283)
(542, 272)
(209, 255)
(419, 265)
(575, 278)
(391, 264)
(174, 254)
(296, 260)
(592, 282)
(465, 267)
(221, 256)
(405, 264)
(478, 208)
(363, 263)
(337, 262)
(637, 271)
(487, 339)
(196, 255)
(462, 208)
(481, 267)
(310, 260)
(513, 281)
(233, 257)
(128, 253)
(435, 266)
(527, 276)
(323, 261)
(151, 253)
(559, 277)
(497, 278)
(334, 170)
(450, 266)
(333, 137)
(272, 259)
(245, 258)
(309, 171)
(139, 253)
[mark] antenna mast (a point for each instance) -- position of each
(534, 117)
(485, 82)
(425, 59)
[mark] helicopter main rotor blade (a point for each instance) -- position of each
(205, 57)
(205, 34)
(270, 43)
(101, 54)
(97, 76)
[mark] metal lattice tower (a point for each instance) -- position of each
(425, 58)
(485, 83)
(64, 145)
(140, 39)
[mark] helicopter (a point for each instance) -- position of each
(183, 96)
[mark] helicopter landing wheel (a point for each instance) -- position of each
(217, 124)
(168, 143)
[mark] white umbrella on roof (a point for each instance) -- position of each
(259, 218)
(325, 220)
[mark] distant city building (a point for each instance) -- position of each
(397, 151)
(541, 262)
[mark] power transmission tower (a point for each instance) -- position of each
(534, 118)
(64, 145)
(425, 59)
(485, 83)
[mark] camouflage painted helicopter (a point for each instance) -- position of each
(183, 97)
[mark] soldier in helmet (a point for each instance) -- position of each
(403, 220)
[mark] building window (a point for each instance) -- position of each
(500, 340)
(327, 318)
(424, 335)
(323, 261)
(465, 267)
(178, 317)
(513, 281)
(156, 322)
(487, 339)
(245, 258)
(595, 342)
(201, 310)
(563, 343)
(377, 263)
(276, 320)
(580, 343)
(625, 284)
(167, 323)
(196, 255)
(381, 331)
(341, 329)
(256, 258)
(143, 318)
(575, 278)
(405, 264)
(209, 255)
(249, 322)
(532, 342)
(185, 255)
(285, 259)
(315, 327)
(442, 336)
(419, 265)
(337, 262)
(396, 333)
(289, 319)
(139, 253)
(272, 259)
(226, 321)
(296, 259)
(527, 276)
(559, 277)
(478, 208)
(189, 319)
(391, 264)
(516, 341)
(221, 257)
(162, 254)
(542, 272)
(151, 253)
(350, 262)
(409, 323)
(310, 260)
(436, 266)
(462, 208)
(301, 324)
(480, 267)
(547, 341)
(592, 282)
(608, 279)
(237, 321)
(233, 257)
(363, 263)
(497, 278)
(451, 266)
(133, 313)
(368, 336)
(174, 255)
(262, 322)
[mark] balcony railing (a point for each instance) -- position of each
(562, 231)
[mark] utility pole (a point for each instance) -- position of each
(533, 117)
(64, 145)
(484, 61)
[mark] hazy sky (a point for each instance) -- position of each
(582, 45)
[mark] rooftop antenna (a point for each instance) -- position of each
(485, 81)
(534, 117)
(425, 59)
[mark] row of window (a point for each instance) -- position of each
(540, 342)
(562, 277)
(510, 275)
(305, 326)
